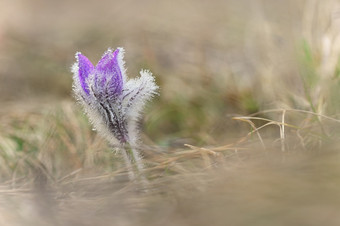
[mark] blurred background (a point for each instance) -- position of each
(210, 58)
(214, 61)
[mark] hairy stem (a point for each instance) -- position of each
(135, 161)
(139, 164)
(128, 163)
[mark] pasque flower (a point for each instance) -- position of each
(112, 102)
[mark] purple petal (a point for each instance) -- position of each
(108, 71)
(85, 68)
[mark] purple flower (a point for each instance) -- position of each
(112, 102)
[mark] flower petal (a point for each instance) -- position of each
(85, 68)
(109, 73)
(137, 92)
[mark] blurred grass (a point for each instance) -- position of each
(249, 99)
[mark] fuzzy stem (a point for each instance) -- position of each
(128, 163)
(133, 158)
(137, 159)
(140, 166)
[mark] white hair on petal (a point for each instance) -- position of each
(121, 62)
